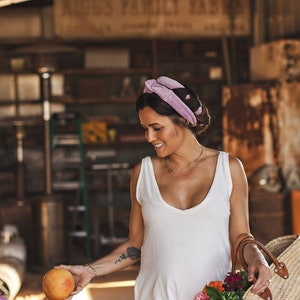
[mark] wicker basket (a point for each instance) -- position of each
(287, 250)
(278, 245)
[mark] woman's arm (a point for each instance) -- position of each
(239, 223)
(125, 255)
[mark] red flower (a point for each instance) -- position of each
(233, 288)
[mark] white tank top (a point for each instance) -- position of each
(183, 249)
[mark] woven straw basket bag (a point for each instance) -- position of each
(283, 255)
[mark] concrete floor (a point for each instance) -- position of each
(116, 286)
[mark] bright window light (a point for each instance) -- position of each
(10, 2)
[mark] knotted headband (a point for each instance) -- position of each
(163, 87)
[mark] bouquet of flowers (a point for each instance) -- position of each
(233, 288)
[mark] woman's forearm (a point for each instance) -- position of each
(122, 257)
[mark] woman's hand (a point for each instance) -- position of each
(82, 275)
(259, 273)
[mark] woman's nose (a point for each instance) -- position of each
(149, 136)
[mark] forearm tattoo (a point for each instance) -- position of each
(132, 253)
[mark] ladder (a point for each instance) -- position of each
(69, 172)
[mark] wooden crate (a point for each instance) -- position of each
(267, 213)
(278, 60)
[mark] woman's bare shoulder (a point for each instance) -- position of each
(137, 168)
(236, 166)
(235, 161)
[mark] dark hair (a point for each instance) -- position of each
(153, 101)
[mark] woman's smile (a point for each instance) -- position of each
(158, 146)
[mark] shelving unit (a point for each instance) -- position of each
(68, 172)
(88, 78)
(96, 91)
(105, 89)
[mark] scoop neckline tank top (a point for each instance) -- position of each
(183, 249)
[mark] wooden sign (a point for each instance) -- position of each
(102, 19)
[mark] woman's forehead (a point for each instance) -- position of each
(148, 116)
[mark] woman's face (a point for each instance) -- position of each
(165, 136)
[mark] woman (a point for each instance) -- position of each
(189, 204)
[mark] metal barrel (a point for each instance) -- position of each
(49, 231)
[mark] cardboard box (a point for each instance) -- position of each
(278, 60)
(107, 58)
(28, 87)
(94, 132)
(7, 87)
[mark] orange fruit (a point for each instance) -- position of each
(57, 284)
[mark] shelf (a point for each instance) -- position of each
(23, 102)
(89, 88)
(86, 71)
(93, 100)
(104, 71)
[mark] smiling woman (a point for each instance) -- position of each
(189, 204)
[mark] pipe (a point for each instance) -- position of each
(45, 76)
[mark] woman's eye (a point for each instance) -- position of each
(156, 129)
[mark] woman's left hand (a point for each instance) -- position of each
(260, 274)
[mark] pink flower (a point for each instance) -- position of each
(201, 296)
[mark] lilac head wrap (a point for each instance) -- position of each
(163, 87)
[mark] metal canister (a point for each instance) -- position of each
(49, 231)
(12, 261)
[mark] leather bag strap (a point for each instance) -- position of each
(238, 251)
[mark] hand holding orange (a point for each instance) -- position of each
(58, 283)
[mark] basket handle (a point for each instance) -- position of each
(245, 239)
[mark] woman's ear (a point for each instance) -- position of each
(180, 121)
(184, 122)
